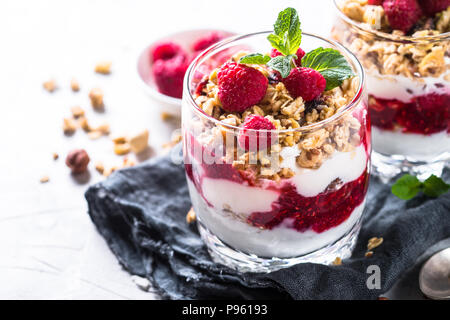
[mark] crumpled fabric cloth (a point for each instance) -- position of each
(140, 211)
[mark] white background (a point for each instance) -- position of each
(48, 245)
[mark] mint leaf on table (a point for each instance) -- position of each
(331, 64)
(282, 64)
(255, 58)
(407, 187)
(287, 34)
(434, 187)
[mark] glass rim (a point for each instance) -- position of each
(339, 114)
(387, 36)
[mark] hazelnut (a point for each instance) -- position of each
(50, 85)
(77, 160)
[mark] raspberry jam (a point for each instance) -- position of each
(320, 213)
(425, 114)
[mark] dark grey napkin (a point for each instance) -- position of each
(141, 211)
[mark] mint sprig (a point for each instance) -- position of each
(408, 186)
(287, 34)
(287, 38)
(283, 64)
(331, 64)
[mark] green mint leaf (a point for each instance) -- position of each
(331, 64)
(406, 187)
(287, 32)
(255, 58)
(282, 64)
(434, 187)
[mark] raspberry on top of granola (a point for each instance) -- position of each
(284, 89)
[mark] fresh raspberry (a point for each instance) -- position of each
(402, 14)
(240, 86)
(376, 2)
(300, 54)
(166, 51)
(169, 75)
(253, 140)
(431, 7)
(306, 83)
(206, 41)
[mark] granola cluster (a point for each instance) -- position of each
(285, 113)
(393, 55)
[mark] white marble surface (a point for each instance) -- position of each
(48, 246)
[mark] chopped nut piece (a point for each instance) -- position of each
(122, 148)
(69, 126)
(103, 67)
(44, 179)
(165, 116)
(74, 85)
(175, 139)
(337, 261)
(103, 128)
(94, 135)
(78, 160)
(84, 124)
(55, 156)
(139, 142)
(119, 139)
(374, 242)
(368, 254)
(50, 85)
(96, 96)
(99, 167)
(190, 217)
(110, 170)
(77, 112)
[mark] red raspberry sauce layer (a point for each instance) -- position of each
(320, 213)
(425, 114)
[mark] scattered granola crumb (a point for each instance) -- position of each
(96, 96)
(77, 112)
(369, 254)
(337, 261)
(190, 217)
(165, 116)
(103, 128)
(50, 85)
(74, 85)
(55, 156)
(109, 170)
(103, 67)
(99, 167)
(139, 141)
(94, 135)
(119, 139)
(84, 124)
(175, 139)
(69, 126)
(374, 242)
(122, 148)
(44, 179)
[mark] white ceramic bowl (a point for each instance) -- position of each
(144, 67)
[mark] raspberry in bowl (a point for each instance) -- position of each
(162, 65)
(276, 155)
(404, 46)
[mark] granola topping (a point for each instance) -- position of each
(392, 55)
(285, 113)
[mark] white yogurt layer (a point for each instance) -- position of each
(346, 166)
(282, 241)
(403, 88)
(418, 146)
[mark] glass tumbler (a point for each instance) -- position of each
(408, 87)
(304, 206)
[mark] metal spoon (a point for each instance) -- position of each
(434, 278)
